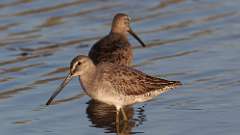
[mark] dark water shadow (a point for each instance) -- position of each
(103, 116)
(9, 93)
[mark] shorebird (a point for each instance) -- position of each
(113, 84)
(115, 48)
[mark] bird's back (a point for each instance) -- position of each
(114, 48)
(132, 85)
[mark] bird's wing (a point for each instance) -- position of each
(129, 81)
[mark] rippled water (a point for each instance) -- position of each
(194, 41)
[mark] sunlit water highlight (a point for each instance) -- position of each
(194, 41)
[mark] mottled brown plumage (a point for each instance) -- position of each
(113, 84)
(115, 48)
(129, 81)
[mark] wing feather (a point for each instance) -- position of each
(129, 81)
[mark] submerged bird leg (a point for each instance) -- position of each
(124, 114)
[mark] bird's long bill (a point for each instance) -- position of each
(136, 37)
(60, 88)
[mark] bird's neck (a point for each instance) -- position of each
(87, 79)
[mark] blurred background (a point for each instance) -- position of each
(194, 41)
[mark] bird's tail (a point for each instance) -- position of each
(175, 84)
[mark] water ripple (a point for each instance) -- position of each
(196, 42)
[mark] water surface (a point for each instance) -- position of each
(194, 41)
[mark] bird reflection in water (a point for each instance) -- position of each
(103, 116)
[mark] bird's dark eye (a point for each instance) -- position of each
(79, 63)
(126, 22)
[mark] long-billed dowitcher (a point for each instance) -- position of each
(113, 84)
(115, 48)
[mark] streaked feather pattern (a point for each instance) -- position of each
(114, 48)
(129, 81)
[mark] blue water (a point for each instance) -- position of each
(194, 41)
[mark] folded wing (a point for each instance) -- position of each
(129, 81)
